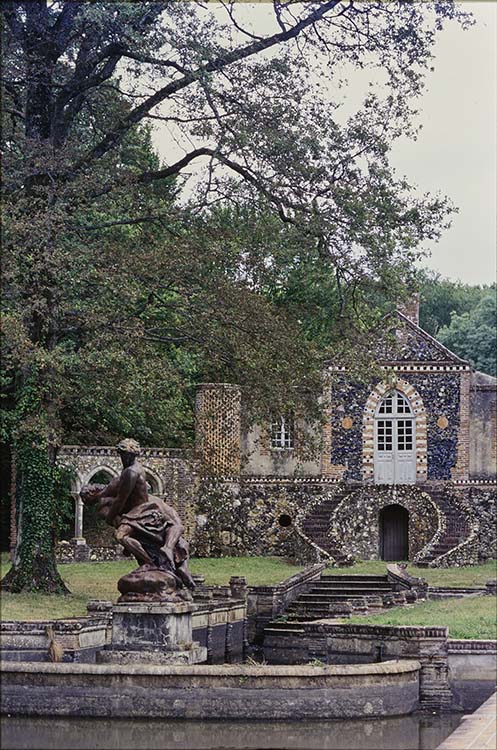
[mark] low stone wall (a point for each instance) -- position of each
(352, 644)
(472, 671)
(264, 603)
(80, 638)
(221, 628)
(218, 623)
(211, 692)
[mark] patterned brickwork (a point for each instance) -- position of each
(328, 469)
(419, 412)
(461, 469)
(410, 309)
(217, 434)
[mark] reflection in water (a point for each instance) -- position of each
(401, 733)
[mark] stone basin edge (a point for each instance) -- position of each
(394, 666)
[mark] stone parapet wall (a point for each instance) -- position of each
(211, 692)
(347, 644)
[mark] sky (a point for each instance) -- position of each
(455, 153)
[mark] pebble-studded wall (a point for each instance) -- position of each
(348, 400)
(483, 502)
(440, 392)
(355, 524)
(441, 397)
(257, 519)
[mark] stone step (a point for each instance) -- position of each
(344, 597)
(353, 578)
(363, 591)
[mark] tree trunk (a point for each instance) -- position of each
(34, 567)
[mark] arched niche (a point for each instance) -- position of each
(96, 532)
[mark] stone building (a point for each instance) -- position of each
(406, 466)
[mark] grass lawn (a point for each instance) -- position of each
(474, 575)
(98, 581)
(466, 618)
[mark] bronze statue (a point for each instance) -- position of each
(147, 527)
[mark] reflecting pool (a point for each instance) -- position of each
(419, 732)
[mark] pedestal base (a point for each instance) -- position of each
(195, 655)
(152, 633)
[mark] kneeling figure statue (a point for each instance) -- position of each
(148, 528)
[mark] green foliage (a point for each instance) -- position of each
(471, 335)
(465, 618)
(441, 298)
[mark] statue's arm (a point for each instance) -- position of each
(127, 483)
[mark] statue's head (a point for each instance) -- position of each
(129, 446)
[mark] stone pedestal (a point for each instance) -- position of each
(152, 633)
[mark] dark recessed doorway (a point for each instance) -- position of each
(394, 533)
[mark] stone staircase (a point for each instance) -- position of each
(456, 530)
(340, 595)
(316, 525)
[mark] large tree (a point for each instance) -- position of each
(98, 258)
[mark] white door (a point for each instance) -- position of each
(395, 445)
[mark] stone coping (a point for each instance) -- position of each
(477, 731)
(302, 576)
(399, 631)
(458, 645)
(395, 666)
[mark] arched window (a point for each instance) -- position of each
(395, 445)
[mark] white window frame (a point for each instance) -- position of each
(282, 434)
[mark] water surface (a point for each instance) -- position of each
(400, 733)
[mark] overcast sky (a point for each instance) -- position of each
(456, 151)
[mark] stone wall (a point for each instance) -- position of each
(483, 428)
(172, 474)
(441, 397)
(226, 691)
(238, 518)
(482, 501)
(353, 644)
(260, 459)
(355, 524)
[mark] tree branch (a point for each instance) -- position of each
(221, 62)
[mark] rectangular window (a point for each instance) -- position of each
(282, 433)
(385, 432)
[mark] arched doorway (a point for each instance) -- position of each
(96, 532)
(394, 533)
(394, 441)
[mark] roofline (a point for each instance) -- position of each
(428, 337)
